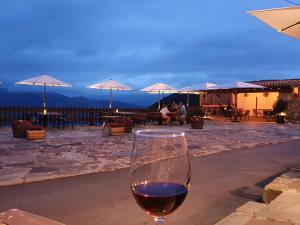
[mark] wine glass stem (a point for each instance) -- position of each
(159, 220)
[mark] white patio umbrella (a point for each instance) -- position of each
(238, 87)
(111, 85)
(44, 80)
(284, 20)
(159, 88)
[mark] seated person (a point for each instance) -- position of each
(182, 113)
(174, 107)
(164, 112)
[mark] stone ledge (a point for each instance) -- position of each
(235, 218)
(251, 208)
(260, 221)
(289, 181)
(285, 208)
(243, 214)
(283, 198)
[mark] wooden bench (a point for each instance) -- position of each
(36, 134)
(116, 131)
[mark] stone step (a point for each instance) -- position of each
(243, 214)
(289, 181)
(284, 210)
(286, 207)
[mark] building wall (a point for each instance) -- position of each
(296, 92)
(264, 100)
(294, 111)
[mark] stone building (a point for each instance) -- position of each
(256, 100)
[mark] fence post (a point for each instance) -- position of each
(91, 117)
(1, 112)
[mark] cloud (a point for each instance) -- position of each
(142, 42)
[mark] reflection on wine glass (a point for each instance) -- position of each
(160, 171)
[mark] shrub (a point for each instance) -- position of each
(280, 106)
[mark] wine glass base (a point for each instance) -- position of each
(159, 220)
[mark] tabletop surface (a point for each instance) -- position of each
(108, 117)
(49, 114)
(19, 217)
(126, 113)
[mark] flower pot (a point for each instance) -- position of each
(197, 122)
(280, 119)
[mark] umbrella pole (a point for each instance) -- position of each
(235, 108)
(45, 97)
(188, 100)
(206, 100)
(256, 103)
(159, 100)
(110, 95)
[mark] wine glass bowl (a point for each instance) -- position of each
(160, 171)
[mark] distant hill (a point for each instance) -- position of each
(55, 100)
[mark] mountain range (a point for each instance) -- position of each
(56, 100)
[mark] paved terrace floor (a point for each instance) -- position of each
(85, 150)
(220, 183)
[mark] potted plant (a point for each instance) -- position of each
(280, 107)
(196, 119)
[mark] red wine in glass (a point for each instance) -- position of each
(159, 198)
(160, 171)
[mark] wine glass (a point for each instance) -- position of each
(160, 171)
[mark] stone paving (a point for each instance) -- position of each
(85, 150)
(281, 204)
(284, 210)
(288, 182)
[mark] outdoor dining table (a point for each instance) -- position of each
(45, 117)
(128, 114)
(17, 217)
(109, 119)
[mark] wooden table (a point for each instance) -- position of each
(19, 217)
(129, 114)
(106, 129)
(109, 119)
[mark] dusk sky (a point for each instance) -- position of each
(141, 42)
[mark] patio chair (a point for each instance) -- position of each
(268, 115)
(66, 119)
(257, 112)
(244, 114)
